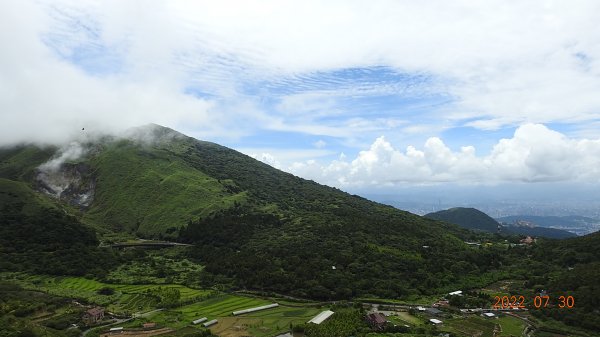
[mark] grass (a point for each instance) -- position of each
(261, 324)
(471, 326)
(152, 191)
(511, 326)
(405, 318)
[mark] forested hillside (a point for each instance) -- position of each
(37, 237)
(469, 218)
(254, 227)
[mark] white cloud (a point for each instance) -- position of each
(267, 158)
(502, 63)
(534, 154)
(319, 144)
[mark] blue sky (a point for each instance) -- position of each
(359, 95)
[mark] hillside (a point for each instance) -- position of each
(36, 236)
(254, 226)
(473, 219)
(469, 218)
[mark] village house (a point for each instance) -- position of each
(93, 315)
(376, 320)
(434, 312)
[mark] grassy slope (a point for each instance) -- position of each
(155, 188)
(16, 191)
(19, 162)
(148, 190)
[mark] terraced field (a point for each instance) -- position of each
(126, 299)
(220, 306)
(134, 298)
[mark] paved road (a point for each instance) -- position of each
(123, 320)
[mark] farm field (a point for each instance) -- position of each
(473, 326)
(261, 324)
(127, 298)
(510, 326)
(405, 318)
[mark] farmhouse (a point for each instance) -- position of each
(93, 315)
(376, 320)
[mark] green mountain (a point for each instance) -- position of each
(474, 219)
(37, 236)
(254, 226)
(469, 218)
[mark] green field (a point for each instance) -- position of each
(126, 299)
(511, 326)
(263, 323)
(471, 326)
(405, 318)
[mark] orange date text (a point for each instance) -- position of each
(539, 302)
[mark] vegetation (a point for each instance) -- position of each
(256, 229)
(474, 219)
(41, 239)
(469, 218)
(345, 322)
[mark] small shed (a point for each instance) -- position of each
(321, 317)
(209, 323)
(199, 320)
(435, 321)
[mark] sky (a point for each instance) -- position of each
(366, 96)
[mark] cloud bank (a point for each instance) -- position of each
(534, 154)
(230, 68)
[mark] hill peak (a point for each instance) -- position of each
(470, 218)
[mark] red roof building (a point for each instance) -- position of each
(376, 320)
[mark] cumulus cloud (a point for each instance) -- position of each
(267, 158)
(535, 153)
(115, 64)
